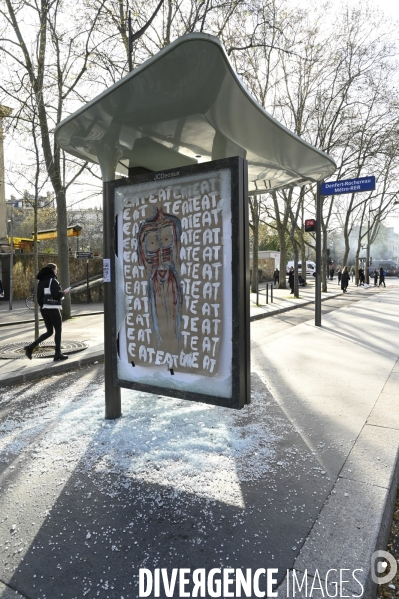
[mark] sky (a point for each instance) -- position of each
(391, 7)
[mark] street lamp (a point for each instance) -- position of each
(11, 261)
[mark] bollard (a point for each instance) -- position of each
(271, 293)
(267, 293)
(257, 295)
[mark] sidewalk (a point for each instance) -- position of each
(338, 386)
(283, 301)
(313, 486)
(87, 325)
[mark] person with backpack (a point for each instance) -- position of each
(49, 298)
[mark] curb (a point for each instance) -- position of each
(39, 372)
(381, 509)
(288, 308)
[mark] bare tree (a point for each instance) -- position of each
(48, 70)
(30, 172)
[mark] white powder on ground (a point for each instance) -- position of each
(190, 447)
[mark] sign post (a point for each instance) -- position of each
(333, 188)
(319, 209)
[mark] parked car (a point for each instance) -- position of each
(310, 267)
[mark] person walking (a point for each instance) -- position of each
(345, 279)
(339, 275)
(361, 277)
(291, 279)
(276, 276)
(332, 273)
(375, 277)
(382, 277)
(49, 298)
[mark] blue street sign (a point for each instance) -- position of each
(348, 186)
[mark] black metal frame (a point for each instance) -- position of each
(240, 283)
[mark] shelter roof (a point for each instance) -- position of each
(185, 105)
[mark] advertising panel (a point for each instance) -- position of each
(180, 283)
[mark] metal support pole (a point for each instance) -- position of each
(87, 283)
(112, 394)
(257, 294)
(271, 293)
(267, 293)
(318, 256)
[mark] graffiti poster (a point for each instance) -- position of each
(173, 268)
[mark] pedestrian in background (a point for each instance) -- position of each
(49, 298)
(375, 277)
(345, 279)
(339, 275)
(276, 276)
(1, 289)
(331, 273)
(291, 279)
(382, 277)
(361, 276)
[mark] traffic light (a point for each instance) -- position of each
(310, 225)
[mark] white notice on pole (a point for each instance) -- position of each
(107, 270)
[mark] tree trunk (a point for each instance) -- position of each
(281, 226)
(35, 265)
(168, 23)
(347, 247)
(302, 244)
(357, 267)
(324, 260)
(296, 254)
(63, 253)
(254, 206)
(255, 263)
(368, 255)
(303, 258)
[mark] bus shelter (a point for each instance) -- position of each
(174, 139)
